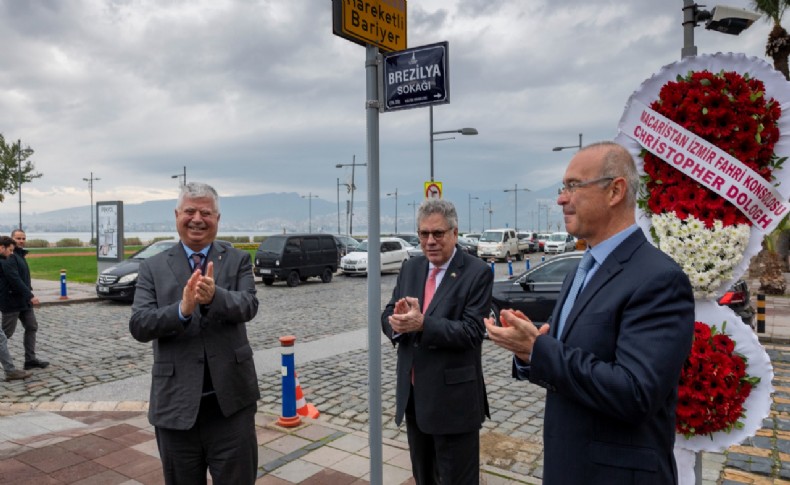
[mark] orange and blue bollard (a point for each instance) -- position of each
(289, 418)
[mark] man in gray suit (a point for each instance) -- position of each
(192, 302)
(435, 318)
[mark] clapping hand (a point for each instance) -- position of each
(517, 333)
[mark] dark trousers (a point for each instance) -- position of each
(225, 446)
(446, 459)
(29, 323)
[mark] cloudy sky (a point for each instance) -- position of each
(257, 96)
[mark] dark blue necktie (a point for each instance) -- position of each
(197, 261)
(578, 280)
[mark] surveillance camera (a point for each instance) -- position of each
(730, 20)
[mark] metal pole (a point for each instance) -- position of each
(338, 205)
(19, 179)
(396, 210)
(374, 264)
(185, 174)
(310, 213)
(353, 187)
(431, 134)
(689, 23)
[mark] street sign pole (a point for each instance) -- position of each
(374, 263)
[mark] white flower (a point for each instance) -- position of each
(707, 256)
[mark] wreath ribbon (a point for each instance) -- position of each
(707, 164)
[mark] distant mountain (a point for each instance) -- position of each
(275, 212)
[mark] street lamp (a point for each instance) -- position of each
(348, 187)
(727, 20)
(414, 205)
(353, 164)
(396, 207)
(310, 198)
(579, 146)
(470, 210)
(463, 131)
(179, 176)
(90, 187)
(515, 191)
(490, 213)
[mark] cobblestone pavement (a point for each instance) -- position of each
(89, 343)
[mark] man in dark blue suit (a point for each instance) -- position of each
(435, 318)
(611, 358)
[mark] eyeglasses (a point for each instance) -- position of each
(437, 235)
(571, 187)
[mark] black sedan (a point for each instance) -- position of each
(535, 291)
(118, 282)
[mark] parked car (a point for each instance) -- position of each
(529, 241)
(499, 244)
(295, 257)
(559, 242)
(468, 245)
(394, 252)
(542, 238)
(345, 244)
(472, 235)
(536, 290)
(412, 239)
(118, 282)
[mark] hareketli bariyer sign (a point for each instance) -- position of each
(416, 77)
(376, 22)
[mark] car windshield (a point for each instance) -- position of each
(272, 244)
(492, 236)
(154, 249)
(362, 248)
(557, 237)
(543, 237)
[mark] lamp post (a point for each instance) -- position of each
(490, 213)
(463, 131)
(396, 207)
(90, 187)
(414, 205)
(19, 179)
(353, 164)
(338, 201)
(483, 217)
(729, 20)
(180, 176)
(470, 210)
(579, 146)
(515, 190)
(310, 198)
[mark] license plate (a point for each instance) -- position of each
(104, 289)
(352, 268)
(265, 271)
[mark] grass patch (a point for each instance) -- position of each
(81, 269)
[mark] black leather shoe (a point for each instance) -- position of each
(36, 364)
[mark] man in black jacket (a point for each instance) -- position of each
(11, 372)
(18, 303)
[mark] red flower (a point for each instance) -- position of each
(729, 111)
(713, 385)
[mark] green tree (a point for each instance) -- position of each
(12, 156)
(778, 45)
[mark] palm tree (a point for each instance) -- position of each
(778, 45)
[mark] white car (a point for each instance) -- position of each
(559, 242)
(394, 251)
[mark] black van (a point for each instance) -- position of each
(296, 257)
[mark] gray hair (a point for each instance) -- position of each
(618, 162)
(197, 190)
(16, 231)
(439, 206)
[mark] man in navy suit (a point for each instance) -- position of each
(192, 303)
(435, 318)
(611, 361)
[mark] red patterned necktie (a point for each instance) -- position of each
(430, 288)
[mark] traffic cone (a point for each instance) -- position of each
(302, 407)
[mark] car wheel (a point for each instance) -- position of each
(326, 276)
(268, 281)
(293, 279)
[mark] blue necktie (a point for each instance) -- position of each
(581, 273)
(197, 261)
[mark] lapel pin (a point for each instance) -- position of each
(452, 275)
